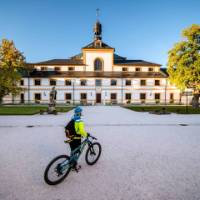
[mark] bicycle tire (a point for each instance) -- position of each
(46, 173)
(90, 151)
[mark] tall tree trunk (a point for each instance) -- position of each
(195, 101)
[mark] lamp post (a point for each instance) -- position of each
(73, 88)
(186, 93)
(186, 103)
(28, 87)
(166, 91)
(122, 91)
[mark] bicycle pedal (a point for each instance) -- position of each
(76, 169)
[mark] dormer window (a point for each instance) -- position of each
(150, 69)
(43, 68)
(98, 65)
(137, 69)
(124, 69)
(57, 68)
(70, 68)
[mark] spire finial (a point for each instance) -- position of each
(97, 13)
(97, 31)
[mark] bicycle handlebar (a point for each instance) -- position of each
(89, 135)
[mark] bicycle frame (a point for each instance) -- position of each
(75, 154)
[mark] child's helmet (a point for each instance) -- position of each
(77, 113)
(77, 110)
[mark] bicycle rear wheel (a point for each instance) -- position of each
(93, 153)
(57, 170)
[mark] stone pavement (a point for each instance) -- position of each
(144, 156)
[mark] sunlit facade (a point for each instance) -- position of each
(97, 76)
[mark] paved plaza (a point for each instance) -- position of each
(145, 156)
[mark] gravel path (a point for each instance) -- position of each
(145, 157)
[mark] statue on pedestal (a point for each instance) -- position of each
(52, 104)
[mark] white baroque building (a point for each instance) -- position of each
(97, 76)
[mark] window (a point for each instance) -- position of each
(22, 97)
(113, 82)
(68, 96)
(52, 82)
(22, 82)
(98, 82)
(128, 96)
(70, 68)
(137, 69)
(124, 69)
(43, 68)
(113, 96)
(68, 82)
(37, 97)
(83, 82)
(142, 96)
(57, 68)
(98, 65)
(83, 96)
(37, 82)
(142, 82)
(157, 96)
(157, 82)
(150, 69)
(128, 82)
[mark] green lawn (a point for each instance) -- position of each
(28, 110)
(173, 109)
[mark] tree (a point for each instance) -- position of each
(11, 63)
(184, 63)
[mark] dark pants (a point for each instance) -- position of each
(75, 144)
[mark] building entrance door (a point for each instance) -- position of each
(98, 97)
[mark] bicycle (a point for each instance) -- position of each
(63, 164)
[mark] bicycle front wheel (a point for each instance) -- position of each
(93, 153)
(57, 170)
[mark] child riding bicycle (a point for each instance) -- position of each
(75, 129)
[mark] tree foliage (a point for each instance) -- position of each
(184, 61)
(11, 62)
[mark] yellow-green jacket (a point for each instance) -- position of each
(80, 129)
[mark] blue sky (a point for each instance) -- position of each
(137, 29)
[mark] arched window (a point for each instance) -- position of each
(98, 65)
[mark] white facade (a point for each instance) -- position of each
(120, 89)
